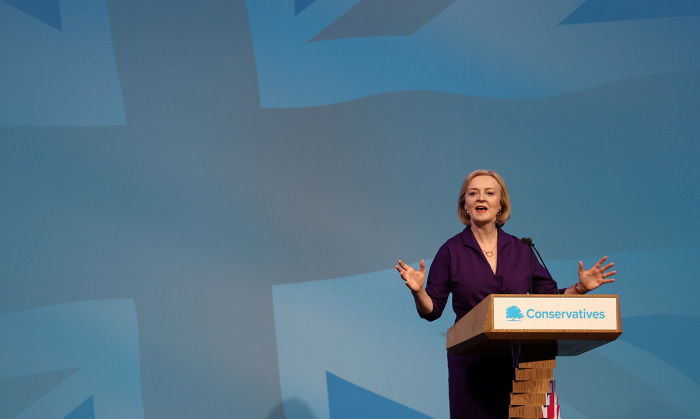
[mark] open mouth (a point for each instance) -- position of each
(481, 208)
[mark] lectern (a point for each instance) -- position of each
(534, 329)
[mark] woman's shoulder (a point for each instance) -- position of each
(452, 248)
(463, 237)
(504, 237)
(459, 243)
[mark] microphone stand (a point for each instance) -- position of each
(528, 241)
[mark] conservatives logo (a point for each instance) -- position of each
(565, 314)
(514, 314)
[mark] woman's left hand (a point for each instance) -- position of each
(596, 276)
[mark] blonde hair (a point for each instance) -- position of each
(505, 198)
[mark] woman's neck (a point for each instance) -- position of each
(485, 233)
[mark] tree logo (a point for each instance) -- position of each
(513, 314)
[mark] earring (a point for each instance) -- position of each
(499, 211)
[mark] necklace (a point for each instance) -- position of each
(489, 254)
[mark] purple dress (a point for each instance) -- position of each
(480, 386)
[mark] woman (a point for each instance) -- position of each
(479, 261)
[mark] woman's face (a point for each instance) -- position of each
(483, 200)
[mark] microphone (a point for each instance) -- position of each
(528, 241)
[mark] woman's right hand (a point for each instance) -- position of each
(414, 279)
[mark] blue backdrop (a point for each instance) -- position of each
(202, 202)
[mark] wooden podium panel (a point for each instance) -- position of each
(554, 324)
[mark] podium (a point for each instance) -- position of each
(534, 330)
